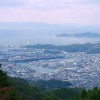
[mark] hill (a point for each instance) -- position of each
(87, 48)
(29, 92)
(50, 84)
(19, 89)
(80, 35)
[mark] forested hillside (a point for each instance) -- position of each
(19, 89)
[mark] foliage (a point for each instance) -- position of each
(20, 89)
(28, 92)
(93, 94)
(3, 79)
(67, 93)
(6, 92)
(50, 84)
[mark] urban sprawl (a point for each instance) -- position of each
(78, 68)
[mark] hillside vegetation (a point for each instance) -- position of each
(19, 89)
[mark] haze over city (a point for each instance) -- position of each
(35, 20)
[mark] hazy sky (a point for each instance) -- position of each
(86, 12)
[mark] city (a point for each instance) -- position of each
(78, 68)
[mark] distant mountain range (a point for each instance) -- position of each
(80, 35)
(39, 27)
(21, 32)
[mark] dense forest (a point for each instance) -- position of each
(19, 89)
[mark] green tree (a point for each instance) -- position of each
(6, 92)
(3, 79)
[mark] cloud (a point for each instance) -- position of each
(12, 3)
(51, 11)
(59, 4)
(90, 1)
(46, 4)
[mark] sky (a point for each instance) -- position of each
(84, 12)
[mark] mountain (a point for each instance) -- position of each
(80, 35)
(27, 92)
(39, 27)
(87, 48)
(21, 32)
